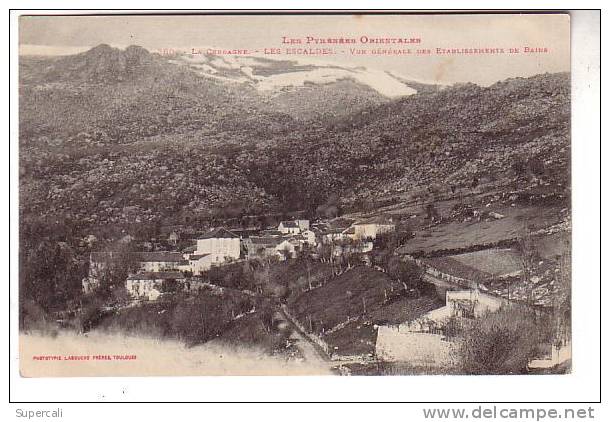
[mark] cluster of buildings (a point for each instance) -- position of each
(287, 241)
(151, 273)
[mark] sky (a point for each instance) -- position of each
(58, 35)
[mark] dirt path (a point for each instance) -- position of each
(309, 351)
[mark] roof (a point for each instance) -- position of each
(163, 275)
(290, 224)
(219, 233)
(198, 257)
(350, 230)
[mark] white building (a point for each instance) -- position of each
(371, 228)
(221, 243)
(289, 227)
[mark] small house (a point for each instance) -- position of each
(289, 227)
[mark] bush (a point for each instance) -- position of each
(502, 342)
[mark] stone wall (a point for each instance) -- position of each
(396, 345)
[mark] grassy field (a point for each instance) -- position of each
(357, 338)
(496, 262)
(296, 275)
(459, 234)
(351, 294)
(368, 297)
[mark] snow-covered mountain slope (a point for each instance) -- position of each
(304, 88)
(269, 75)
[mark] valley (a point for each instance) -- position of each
(125, 149)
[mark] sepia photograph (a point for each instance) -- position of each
(283, 194)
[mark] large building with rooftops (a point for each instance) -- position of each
(222, 243)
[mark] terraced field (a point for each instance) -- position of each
(457, 235)
(497, 262)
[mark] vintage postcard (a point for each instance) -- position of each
(340, 194)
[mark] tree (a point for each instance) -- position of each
(90, 313)
(262, 274)
(394, 239)
(266, 316)
(50, 275)
(502, 342)
(407, 272)
(120, 295)
(198, 322)
(119, 264)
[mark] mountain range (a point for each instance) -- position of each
(113, 136)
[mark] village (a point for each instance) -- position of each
(424, 338)
(220, 246)
(324, 223)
